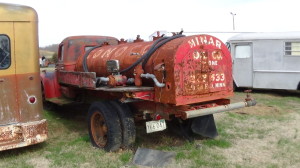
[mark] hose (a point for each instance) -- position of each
(158, 46)
(143, 56)
(84, 63)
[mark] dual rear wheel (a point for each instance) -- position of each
(111, 125)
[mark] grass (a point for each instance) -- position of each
(203, 156)
(264, 136)
(126, 156)
(221, 143)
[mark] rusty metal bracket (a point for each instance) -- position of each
(79, 79)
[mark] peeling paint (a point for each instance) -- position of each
(23, 134)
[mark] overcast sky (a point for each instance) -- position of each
(128, 18)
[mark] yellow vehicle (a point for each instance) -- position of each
(21, 120)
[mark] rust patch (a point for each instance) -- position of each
(196, 73)
(27, 89)
(137, 78)
(116, 80)
(8, 96)
(23, 134)
(202, 70)
(79, 79)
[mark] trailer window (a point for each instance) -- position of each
(292, 48)
(5, 58)
(242, 51)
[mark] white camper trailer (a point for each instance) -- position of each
(266, 60)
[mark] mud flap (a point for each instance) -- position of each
(205, 126)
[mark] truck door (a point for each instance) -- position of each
(242, 64)
(9, 112)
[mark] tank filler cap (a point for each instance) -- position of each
(138, 39)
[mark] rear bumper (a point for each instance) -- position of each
(23, 134)
(218, 109)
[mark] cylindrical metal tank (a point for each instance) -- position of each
(126, 53)
(194, 68)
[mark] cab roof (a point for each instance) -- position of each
(13, 12)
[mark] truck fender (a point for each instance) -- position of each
(50, 85)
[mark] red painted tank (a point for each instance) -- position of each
(194, 68)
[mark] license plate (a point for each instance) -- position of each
(154, 126)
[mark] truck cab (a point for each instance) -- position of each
(70, 49)
(73, 47)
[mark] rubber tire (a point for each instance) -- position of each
(114, 136)
(127, 123)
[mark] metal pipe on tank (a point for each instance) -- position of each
(157, 83)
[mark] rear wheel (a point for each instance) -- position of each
(104, 127)
(127, 123)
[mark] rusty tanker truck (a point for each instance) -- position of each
(177, 81)
(21, 120)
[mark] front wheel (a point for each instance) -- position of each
(104, 127)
